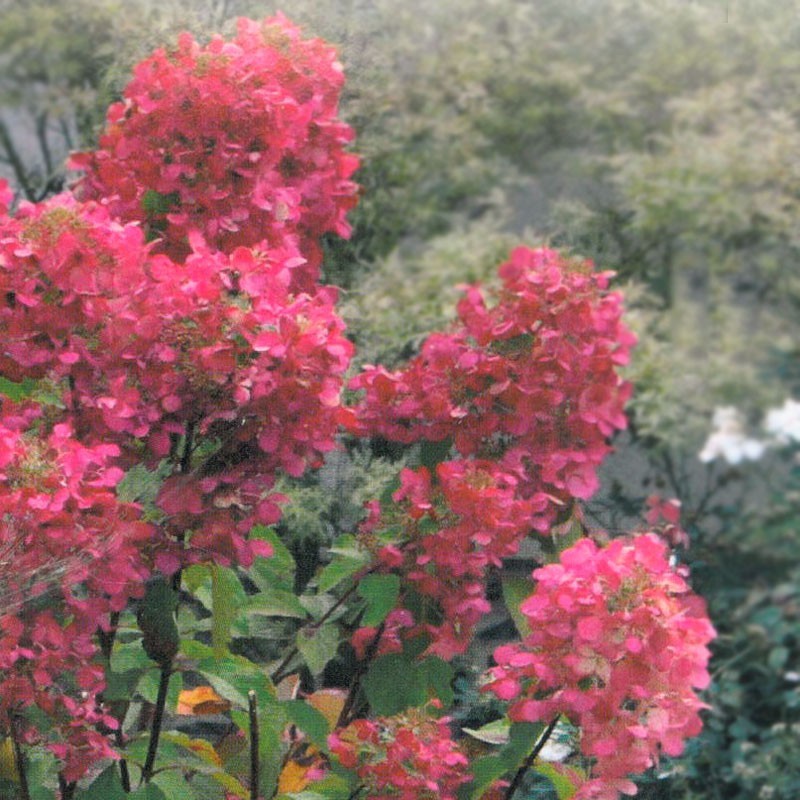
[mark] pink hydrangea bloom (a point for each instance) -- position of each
(618, 644)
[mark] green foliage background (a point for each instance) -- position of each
(661, 139)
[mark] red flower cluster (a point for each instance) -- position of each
(454, 529)
(61, 527)
(531, 382)
(236, 140)
(618, 644)
(528, 391)
(408, 757)
(146, 348)
(174, 305)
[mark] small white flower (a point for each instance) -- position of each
(728, 439)
(784, 423)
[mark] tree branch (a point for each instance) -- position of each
(20, 173)
(254, 762)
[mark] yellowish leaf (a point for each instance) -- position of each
(202, 700)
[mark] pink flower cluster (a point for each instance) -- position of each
(528, 391)
(408, 757)
(237, 140)
(618, 644)
(61, 527)
(167, 310)
(145, 348)
(455, 528)
(531, 382)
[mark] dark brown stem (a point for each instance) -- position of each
(124, 774)
(528, 763)
(188, 445)
(67, 789)
(158, 719)
(185, 466)
(106, 638)
(106, 647)
(24, 791)
(254, 765)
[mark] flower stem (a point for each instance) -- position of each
(158, 719)
(254, 764)
(528, 763)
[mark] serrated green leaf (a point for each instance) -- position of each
(381, 593)
(318, 645)
(271, 744)
(485, 771)
(148, 791)
(174, 784)
(141, 485)
(521, 739)
(129, 656)
(147, 686)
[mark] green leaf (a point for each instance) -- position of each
(394, 683)
(156, 203)
(309, 720)
(563, 786)
(228, 596)
(340, 569)
(438, 675)
(522, 737)
(496, 732)
(318, 645)
(148, 792)
(273, 602)
(485, 771)
(141, 485)
(433, 453)
(106, 786)
(147, 686)
(174, 785)
(17, 391)
(271, 746)
(381, 593)
(515, 590)
(277, 571)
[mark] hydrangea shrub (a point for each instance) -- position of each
(168, 354)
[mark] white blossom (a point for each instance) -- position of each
(728, 439)
(783, 424)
